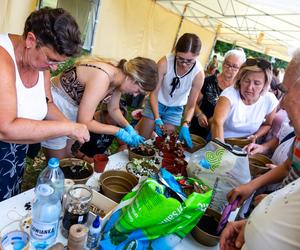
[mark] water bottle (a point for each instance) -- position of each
(53, 176)
(46, 211)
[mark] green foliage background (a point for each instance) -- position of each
(223, 47)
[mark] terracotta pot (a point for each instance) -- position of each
(257, 164)
(80, 177)
(205, 231)
(198, 143)
(100, 162)
(241, 142)
(115, 184)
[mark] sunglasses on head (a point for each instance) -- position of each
(261, 63)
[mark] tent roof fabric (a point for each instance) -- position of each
(271, 27)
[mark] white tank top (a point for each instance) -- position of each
(181, 94)
(31, 102)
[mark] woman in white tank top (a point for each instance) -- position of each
(50, 36)
(180, 81)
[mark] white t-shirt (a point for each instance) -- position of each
(244, 120)
(275, 223)
(281, 152)
(181, 94)
(31, 102)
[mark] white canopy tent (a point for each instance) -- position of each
(270, 27)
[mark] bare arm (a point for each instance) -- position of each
(114, 109)
(220, 114)
(53, 112)
(193, 96)
(273, 176)
(265, 148)
(162, 70)
(97, 85)
(21, 130)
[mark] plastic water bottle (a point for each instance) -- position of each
(53, 176)
(94, 234)
(45, 216)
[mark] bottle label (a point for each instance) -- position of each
(43, 231)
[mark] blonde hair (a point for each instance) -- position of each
(244, 69)
(142, 70)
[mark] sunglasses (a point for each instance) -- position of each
(261, 63)
(183, 60)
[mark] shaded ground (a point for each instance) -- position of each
(34, 167)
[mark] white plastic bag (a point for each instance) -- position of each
(224, 163)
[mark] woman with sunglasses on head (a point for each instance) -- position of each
(211, 90)
(79, 90)
(180, 80)
(27, 113)
(246, 109)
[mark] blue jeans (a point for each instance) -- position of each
(168, 114)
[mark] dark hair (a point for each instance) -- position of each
(55, 28)
(142, 70)
(188, 42)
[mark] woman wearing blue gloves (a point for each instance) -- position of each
(78, 91)
(180, 79)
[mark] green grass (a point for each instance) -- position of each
(34, 167)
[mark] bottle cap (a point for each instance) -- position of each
(53, 162)
(96, 222)
(44, 190)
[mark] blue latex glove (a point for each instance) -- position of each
(124, 136)
(184, 135)
(157, 124)
(136, 138)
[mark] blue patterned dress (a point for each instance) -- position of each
(12, 163)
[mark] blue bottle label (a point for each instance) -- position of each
(43, 231)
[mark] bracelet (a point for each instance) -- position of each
(198, 115)
(187, 123)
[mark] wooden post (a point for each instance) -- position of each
(179, 26)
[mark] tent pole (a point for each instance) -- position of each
(214, 44)
(179, 26)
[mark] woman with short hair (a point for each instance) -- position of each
(246, 109)
(211, 90)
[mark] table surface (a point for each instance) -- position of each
(13, 210)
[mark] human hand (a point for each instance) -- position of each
(243, 191)
(184, 135)
(158, 124)
(79, 132)
(136, 138)
(253, 138)
(254, 148)
(202, 120)
(232, 237)
(258, 199)
(124, 136)
(271, 166)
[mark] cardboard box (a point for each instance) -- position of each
(101, 202)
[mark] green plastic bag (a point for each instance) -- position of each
(154, 211)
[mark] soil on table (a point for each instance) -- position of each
(75, 172)
(208, 224)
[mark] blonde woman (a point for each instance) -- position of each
(79, 90)
(246, 109)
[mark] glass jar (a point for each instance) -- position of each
(77, 207)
